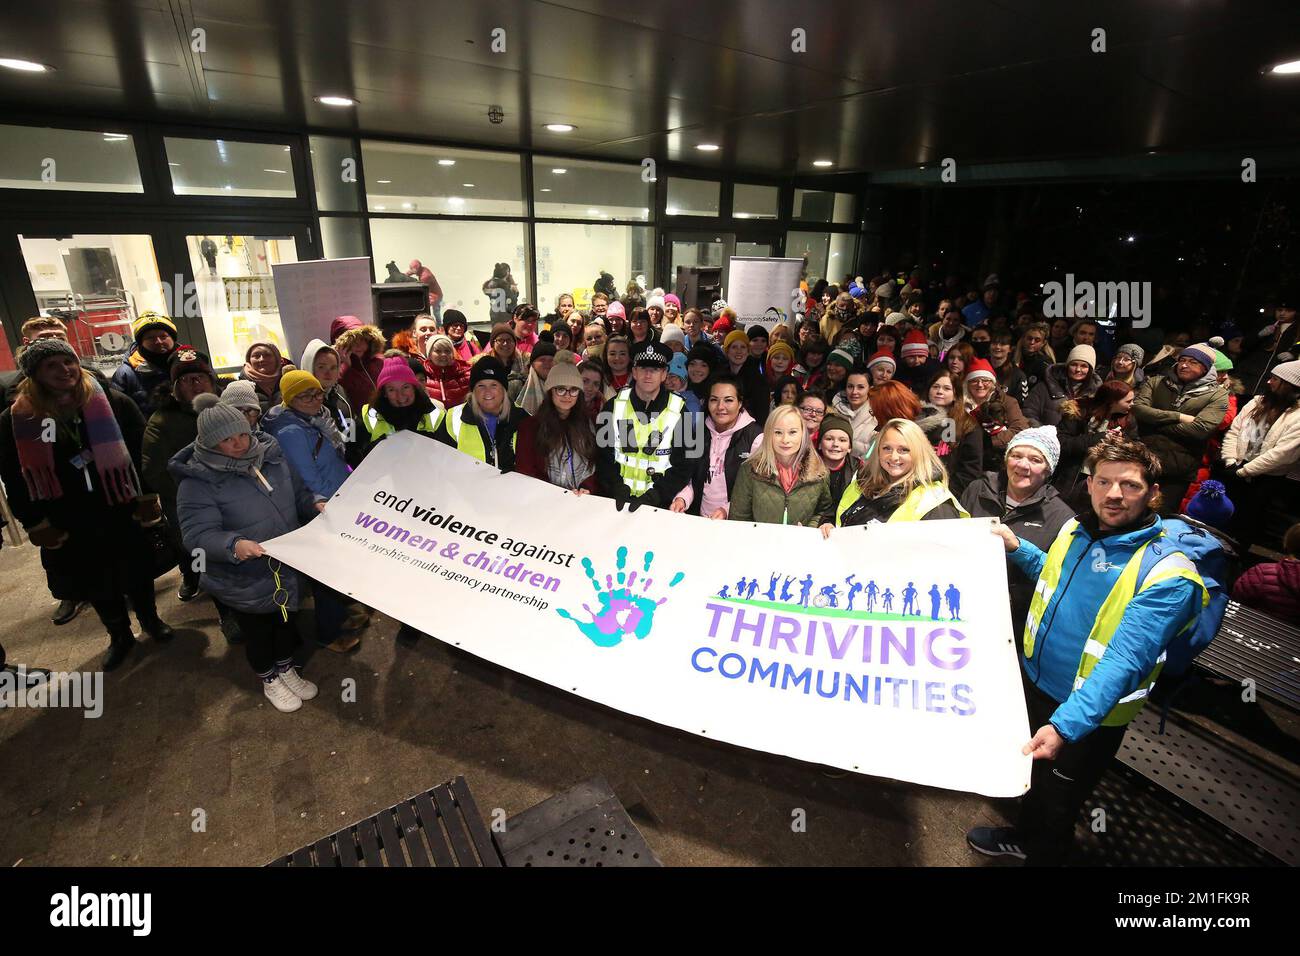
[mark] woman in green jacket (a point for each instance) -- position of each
(785, 480)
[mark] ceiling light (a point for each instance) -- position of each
(24, 66)
(822, 163)
(115, 137)
(446, 162)
(1292, 66)
(560, 127)
(707, 147)
(280, 171)
(408, 205)
(288, 149)
(227, 186)
(467, 185)
(383, 181)
(559, 172)
(545, 189)
(173, 164)
(381, 207)
(335, 101)
(593, 212)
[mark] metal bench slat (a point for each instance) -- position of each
(369, 843)
(388, 835)
(432, 832)
(411, 834)
(473, 819)
(455, 827)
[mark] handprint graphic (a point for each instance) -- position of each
(625, 609)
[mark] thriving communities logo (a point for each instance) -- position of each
(624, 609)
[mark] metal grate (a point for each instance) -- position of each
(1252, 645)
(1249, 799)
(440, 827)
(584, 826)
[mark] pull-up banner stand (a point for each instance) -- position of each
(756, 284)
(884, 650)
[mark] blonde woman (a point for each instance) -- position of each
(902, 480)
(1034, 352)
(784, 481)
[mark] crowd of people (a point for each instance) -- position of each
(885, 400)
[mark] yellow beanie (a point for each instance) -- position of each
(293, 384)
(738, 335)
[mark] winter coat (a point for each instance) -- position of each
(358, 375)
(528, 461)
(862, 422)
(1272, 587)
(106, 553)
(1045, 398)
(448, 384)
(882, 507)
(1151, 621)
(758, 397)
(741, 441)
(314, 460)
(504, 449)
(139, 376)
(1038, 519)
(1013, 381)
(170, 428)
(1280, 454)
(268, 400)
(761, 498)
(1077, 435)
(217, 508)
(962, 458)
(1213, 447)
(517, 373)
(1001, 420)
(1178, 446)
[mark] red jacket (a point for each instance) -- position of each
(448, 384)
(1273, 587)
(1211, 455)
(529, 462)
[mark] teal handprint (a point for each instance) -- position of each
(622, 612)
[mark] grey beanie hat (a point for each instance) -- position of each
(242, 395)
(1042, 437)
(36, 353)
(1134, 352)
(218, 421)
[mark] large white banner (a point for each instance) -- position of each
(884, 650)
(756, 283)
(312, 294)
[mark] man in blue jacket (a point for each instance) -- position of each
(1113, 592)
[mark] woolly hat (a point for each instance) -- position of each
(835, 423)
(30, 358)
(915, 343)
(502, 328)
(1083, 353)
(982, 368)
(241, 395)
(186, 359)
(435, 339)
(152, 320)
(1221, 362)
(1229, 332)
(218, 421)
(734, 336)
(564, 374)
(1201, 352)
(489, 369)
(1043, 437)
(703, 352)
(655, 301)
(895, 317)
(841, 357)
(1287, 371)
(780, 347)
(293, 384)
(718, 306)
(756, 332)
(992, 281)
(883, 358)
(886, 289)
(672, 333)
(1211, 505)
(678, 366)
(454, 317)
(543, 349)
(616, 309)
(671, 298)
(396, 369)
(1134, 352)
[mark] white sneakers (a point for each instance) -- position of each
(305, 689)
(281, 697)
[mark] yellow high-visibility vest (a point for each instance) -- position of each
(469, 439)
(919, 502)
(636, 467)
(378, 427)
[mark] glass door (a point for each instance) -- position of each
(697, 265)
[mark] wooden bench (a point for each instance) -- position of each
(1253, 646)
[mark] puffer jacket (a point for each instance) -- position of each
(1043, 406)
(862, 422)
(217, 508)
(359, 375)
(448, 384)
(1179, 446)
(1155, 616)
(761, 498)
(1280, 454)
(314, 459)
(1272, 587)
(140, 376)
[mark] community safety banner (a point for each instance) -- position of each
(884, 650)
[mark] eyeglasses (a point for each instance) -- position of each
(812, 412)
(569, 390)
(313, 396)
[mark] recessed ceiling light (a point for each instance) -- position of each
(115, 137)
(467, 185)
(546, 189)
(559, 172)
(280, 171)
(227, 186)
(560, 127)
(1292, 66)
(25, 66)
(383, 181)
(336, 101)
(822, 163)
(708, 147)
(173, 164)
(446, 162)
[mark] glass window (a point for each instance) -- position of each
(827, 256)
(819, 206)
(342, 237)
(571, 257)
(578, 189)
(95, 284)
(334, 167)
(72, 159)
(226, 167)
(467, 260)
(404, 177)
(235, 292)
(754, 202)
(693, 197)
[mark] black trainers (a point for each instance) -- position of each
(189, 590)
(996, 841)
(66, 611)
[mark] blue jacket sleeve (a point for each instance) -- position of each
(1150, 622)
(298, 444)
(126, 379)
(201, 523)
(1029, 558)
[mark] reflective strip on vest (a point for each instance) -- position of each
(377, 428)
(635, 466)
(1175, 564)
(919, 502)
(470, 440)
